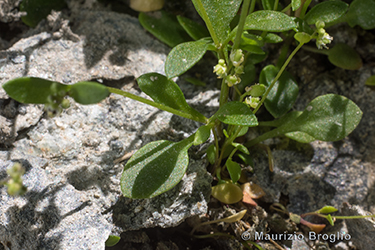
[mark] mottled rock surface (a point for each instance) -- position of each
(74, 199)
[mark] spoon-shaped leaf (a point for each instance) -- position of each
(328, 12)
(236, 113)
(362, 13)
(184, 56)
(328, 118)
(155, 168)
(343, 56)
(234, 170)
(33, 90)
(165, 91)
(283, 94)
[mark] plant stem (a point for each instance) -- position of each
(315, 50)
(270, 134)
(277, 77)
(276, 5)
(284, 50)
(223, 93)
(201, 119)
(241, 24)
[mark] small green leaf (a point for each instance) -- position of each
(202, 135)
(272, 38)
(33, 90)
(236, 113)
(269, 20)
(247, 159)
(227, 193)
(302, 37)
(328, 118)
(88, 92)
(370, 81)
(165, 91)
(211, 152)
(225, 133)
(234, 170)
(112, 240)
(330, 220)
(283, 94)
(155, 168)
(343, 56)
(39, 9)
(243, 131)
(166, 28)
(195, 30)
(300, 137)
(184, 56)
(218, 14)
(328, 12)
(327, 210)
(257, 90)
(241, 148)
(362, 13)
(296, 4)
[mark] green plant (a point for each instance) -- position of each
(238, 43)
(325, 212)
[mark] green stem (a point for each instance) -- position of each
(227, 142)
(241, 24)
(201, 119)
(210, 28)
(224, 93)
(354, 217)
(270, 134)
(276, 5)
(277, 77)
(284, 50)
(315, 50)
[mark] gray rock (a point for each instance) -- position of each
(361, 230)
(74, 199)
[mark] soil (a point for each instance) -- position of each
(258, 218)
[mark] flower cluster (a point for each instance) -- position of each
(255, 91)
(323, 37)
(14, 184)
(56, 102)
(237, 58)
